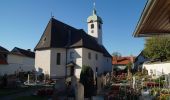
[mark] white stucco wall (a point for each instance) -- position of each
(158, 68)
(42, 61)
(17, 63)
(107, 66)
(58, 70)
(93, 63)
(47, 61)
(77, 59)
(97, 33)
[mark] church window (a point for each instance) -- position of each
(92, 26)
(89, 55)
(92, 31)
(96, 69)
(99, 26)
(96, 56)
(58, 58)
(71, 55)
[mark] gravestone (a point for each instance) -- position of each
(169, 80)
(104, 80)
(99, 84)
(60, 84)
(133, 84)
(79, 91)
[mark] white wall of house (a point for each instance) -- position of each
(17, 63)
(75, 55)
(93, 63)
(58, 70)
(42, 61)
(107, 64)
(46, 60)
(95, 32)
(158, 68)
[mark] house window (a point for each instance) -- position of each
(58, 58)
(71, 55)
(96, 56)
(89, 55)
(92, 26)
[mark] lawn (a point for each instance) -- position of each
(6, 91)
(9, 91)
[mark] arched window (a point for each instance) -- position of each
(92, 26)
(99, 26)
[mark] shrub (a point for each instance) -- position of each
(87, 79)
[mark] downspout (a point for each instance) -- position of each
(66, 65)
(69, 40)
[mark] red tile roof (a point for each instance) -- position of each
(122, 60)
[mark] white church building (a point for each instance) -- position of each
(62, 49)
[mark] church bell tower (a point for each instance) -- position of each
(95, 26)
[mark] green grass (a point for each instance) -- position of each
(6, 91)
(31, 98)
(9, 91)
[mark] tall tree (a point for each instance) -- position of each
(116, 54)
(157, 48)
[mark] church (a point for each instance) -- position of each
(62, 49)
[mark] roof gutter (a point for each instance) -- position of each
(146, 12)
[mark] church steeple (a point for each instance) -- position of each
(95, 25)
(94, 9)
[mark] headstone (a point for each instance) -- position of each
(60, 85)
(99, 84)
(169, 80)
(74, 81)
(133, 84)
(107, 78)
(104, 80)
(79, 91)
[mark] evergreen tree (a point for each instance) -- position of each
(87, 79)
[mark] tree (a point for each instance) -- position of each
(116, 54)
(157, 48)
(87, 79)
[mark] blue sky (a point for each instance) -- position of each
(22, 22)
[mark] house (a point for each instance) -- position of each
(17, 60)
(119, 64)
(154, 19)
(62, 49)
(156, 69)
(3, 56)
(138, 62)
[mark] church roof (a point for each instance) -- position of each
(3, 53)
(2, 49)
(60, 35)
(19, 51)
